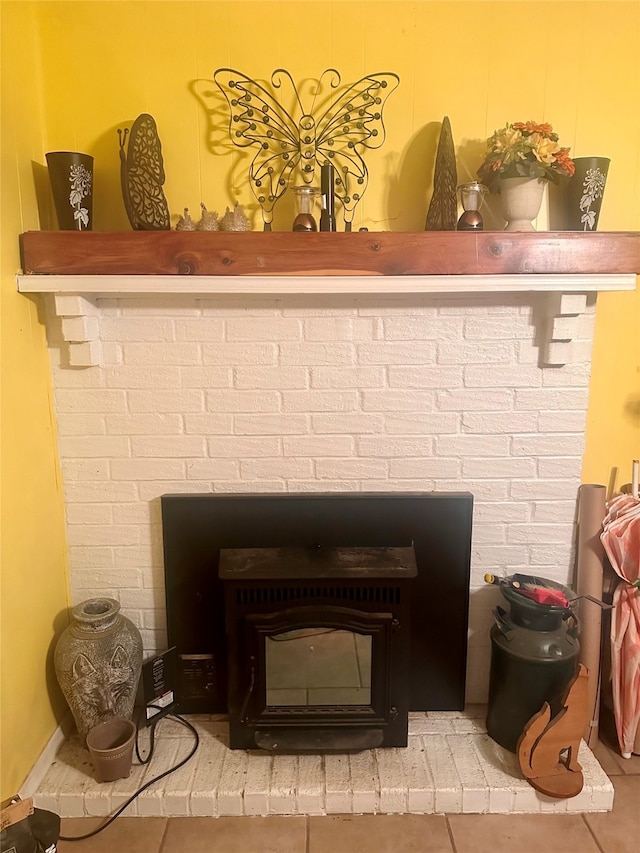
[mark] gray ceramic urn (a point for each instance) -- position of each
(98, 660)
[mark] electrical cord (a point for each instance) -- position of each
(148, 784)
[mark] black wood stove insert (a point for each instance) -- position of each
(317, 647)
(338, 612)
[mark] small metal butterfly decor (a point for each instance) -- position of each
(142, 176)
(336, 130)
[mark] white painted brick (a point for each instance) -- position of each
(318, 445)
(448, 787)
(550, 399)
(497, 468)
(310, 353)
(89, 535)
(498, 556)
(108, 491)
(538, 533)
(424, 468)
(168, 446)
(243, 446)
(338, 329)
(472, 445)
(250, 486)
(70, 305)
(281, 468)
(213, 469)
(142, 307)
(262, 329)
(493, 423)
(89, 514)
(199, 329)
(476, 353)
(257, 784)
(133, 556)
(547, 445)
(271, 424)
(397, 401)
(142, 377)
(546, 490)
(397, 352)
(322, 486)
(141, 599)
(491, 534)
(151, 490)
(153, 329)
(87, 401)
(386, 446)
(393, 785)
(208, 424)
(284, 777)
(562, 421)
(364, 782)
(205, 377)
(425, 326)
(165, 401)
(97, 558)
(351, 423)
(92, 446)
(80, 328)
(569, 375)
(424, 376)
(350, 469)
(432, 423)
(169, 353)
(502, 512)
(243, 401)
(147, 469)
(550, 555)
(482, 490)
(310, 793)
(276, 378)
(144, 424)
(231, 354)
(458, 400)
(497, 328)
(238, 306)
(231, 784)
(562, 466)
(475, 792)
(104, 578)
(346, 377)
(76, 379)
(337, 784)
(85, 469)
(319, 401)
(502, 376)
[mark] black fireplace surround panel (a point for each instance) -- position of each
(438, 525)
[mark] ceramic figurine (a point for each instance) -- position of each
(186, 223)
(209, 221)
(234, 220)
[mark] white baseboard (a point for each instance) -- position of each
(45, 759)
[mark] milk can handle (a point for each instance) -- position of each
(503, 623)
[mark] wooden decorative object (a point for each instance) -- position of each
(548, 747)
(142, 176)
(443, 210)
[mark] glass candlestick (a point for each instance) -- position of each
(305, 202)
(471, 198)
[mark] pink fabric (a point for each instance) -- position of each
(621, 541)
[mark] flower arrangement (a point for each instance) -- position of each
(525, 150)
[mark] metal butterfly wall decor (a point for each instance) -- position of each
(142, 176)
(345, 123)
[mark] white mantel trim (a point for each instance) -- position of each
(76, 297)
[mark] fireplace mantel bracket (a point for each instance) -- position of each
(77, 297)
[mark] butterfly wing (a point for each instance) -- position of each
(142, 175)
(257, 119)
(350, 124)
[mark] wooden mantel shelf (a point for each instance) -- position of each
(78, 268)
(361, 253)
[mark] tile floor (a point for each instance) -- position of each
(613, 832)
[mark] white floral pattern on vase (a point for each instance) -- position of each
(592, 189)
(521, 199)
(80, 180)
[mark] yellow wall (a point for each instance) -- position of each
(33, 578)
(100, 64)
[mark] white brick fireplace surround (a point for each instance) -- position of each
(328, 392)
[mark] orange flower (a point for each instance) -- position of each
(534, 127)
(565, 162)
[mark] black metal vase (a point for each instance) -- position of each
(584, 193)
(71, 178)
(534, 656)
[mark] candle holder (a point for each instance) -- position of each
(471, 198)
